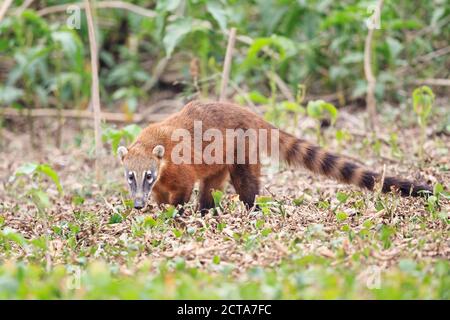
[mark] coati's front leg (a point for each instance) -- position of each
(245, 180)
(214, 182)
(174, 186)
(181, 195)
(175, 198)
(161, 197)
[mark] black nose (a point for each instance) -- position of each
(139, 203)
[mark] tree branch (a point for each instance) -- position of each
(227, 64)
(23, 7)
(433, 82)
(95, 91)
(371, 80)
(102, 4)
(282, 86)
(6, 4)
(82, 114)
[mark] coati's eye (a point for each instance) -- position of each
(130, 177)
(149, 177)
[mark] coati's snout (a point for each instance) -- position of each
(139, 203)
(141, 171)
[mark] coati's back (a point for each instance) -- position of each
(208, 115)
(216, 115)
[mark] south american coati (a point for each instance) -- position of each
(150, 166)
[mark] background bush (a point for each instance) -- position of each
(319, 44)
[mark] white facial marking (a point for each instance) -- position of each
(150, 179)
(131, 174)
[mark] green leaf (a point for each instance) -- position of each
(40, 198)
(132, 131)
(218, 13)
(68, 40)
(178, 233)
(14, 236)
(175, 32)
(407, 265)
(115, 218)
(168, 5)
(257, 97)
(40, 243)
(49, 172)
(395, 47)
(319, 109)
(342, 197)
(259, 223)
(149, 222)
(314, 109)
(299, 201)
(284, 47)
(423, 99)
(77, 200)
(438, 188)
(338, 72)
(26, 169)
(221, 226)
(264, 200)
(170, 213)
(31, 168)
(10, 94)
(292, 107)
(353, 57)
(386, 233)
(368, 224)
(217, 197)
(331, 109)
(341, 216)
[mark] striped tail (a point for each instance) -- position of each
(298, 152)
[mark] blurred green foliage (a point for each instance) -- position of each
(423, 100)
(319, 44)
(308, 277)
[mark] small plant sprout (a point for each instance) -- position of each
(37, 173)
(321, 110)
(297, 108)
(40, 198)
(37, 193)
(217, 197)
(423, 99)
(395, 148)
(342, 136)
(114, 136)
(264, 203)
(433, 202)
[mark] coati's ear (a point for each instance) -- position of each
(122, 152)
(159, 151)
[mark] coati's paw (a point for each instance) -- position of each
(180, 210)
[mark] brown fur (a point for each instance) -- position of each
(175, 183)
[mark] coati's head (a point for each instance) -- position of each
(142, 166)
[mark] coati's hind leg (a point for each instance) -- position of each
(215, 182)
(245, 179)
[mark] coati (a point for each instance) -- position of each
(149, 166)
